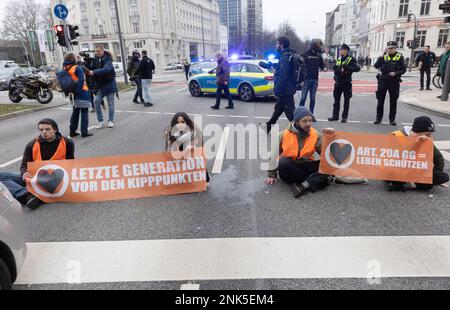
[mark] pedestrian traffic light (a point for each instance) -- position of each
(61, 35)
(73, 34)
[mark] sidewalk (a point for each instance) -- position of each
(426, 100)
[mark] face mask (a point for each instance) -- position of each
(181, 127)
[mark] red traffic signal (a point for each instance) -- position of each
(61, 35)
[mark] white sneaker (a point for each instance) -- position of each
(110, 124)
(100, 125)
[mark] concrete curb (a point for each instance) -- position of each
(155, 82)
(29, 111)
(409, 99)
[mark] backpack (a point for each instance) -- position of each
(66, 84)
(299, 69)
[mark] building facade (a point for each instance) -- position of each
(233, 14)
(255, 27)
(170, 30)
(388, 22)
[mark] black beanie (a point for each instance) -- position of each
(423, 124)
(50, 122)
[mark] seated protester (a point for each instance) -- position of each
(297, 165)
(182, 135)
(422, 130)
(50, 145)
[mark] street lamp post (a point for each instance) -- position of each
(413, 46)
(203, 32)
(122, 48)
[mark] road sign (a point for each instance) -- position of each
(61, 11)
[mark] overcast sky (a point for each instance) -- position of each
(308, 17)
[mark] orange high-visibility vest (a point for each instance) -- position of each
(398, 134)
(75, 78)
(290, 145)
(60, 154)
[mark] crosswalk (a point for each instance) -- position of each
(444, 147)
(237, 259)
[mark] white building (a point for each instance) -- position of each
(388, 22)
(224, 39)
(170, 30)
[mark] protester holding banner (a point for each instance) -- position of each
(182, 136)
(422, 130)
(298, 145)
(50, 145)
(81, 101)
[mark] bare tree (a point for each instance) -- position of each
(22, 16)
(286, 29)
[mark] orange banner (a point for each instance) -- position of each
(377, 157)
(116, 178)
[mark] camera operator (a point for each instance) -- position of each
(102, 70)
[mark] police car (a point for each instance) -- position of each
(248, 81)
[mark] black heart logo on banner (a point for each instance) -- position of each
(50, 181)
(340, 153)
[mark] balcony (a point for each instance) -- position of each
(99, 36)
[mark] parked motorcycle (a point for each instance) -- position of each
(34, 87)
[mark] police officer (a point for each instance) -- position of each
(391, 66)
(343, 70)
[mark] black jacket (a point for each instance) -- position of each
(146, 68)
(104, 74)
(391, 65)
(314, 62)
(428, 60)
(48, 149)
(285, 81)
(345, 77)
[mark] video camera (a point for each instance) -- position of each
(88, 59)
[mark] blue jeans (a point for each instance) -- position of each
(146, 83)
(74, 120)
(14, 183)
(311, 87)
(98, 105)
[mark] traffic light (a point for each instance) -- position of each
(61, 35)
(73, 34)
(409, 44)
(445, 7)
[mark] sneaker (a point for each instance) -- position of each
(344, 120)
(229, 108)
(429, 88)
(136, 102)
(110, 124)
(393, 123)
(32, 202)
(215, 108)
(74, 134)
(299, 190)
(421, 89)
(148, 105)
(333, 119)
(87, 135)
(100, 125)
(377, 122)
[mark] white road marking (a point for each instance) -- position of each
(446, 155)
(156, 113)
(354, 122)
(261, 117)
(236, 259)
(9, 163)
(443, 145)
(220, 155)
(237, 116)
(180, 90)
(214, 115)
(444, 125)
(190, 287)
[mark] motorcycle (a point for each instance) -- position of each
(34, 87)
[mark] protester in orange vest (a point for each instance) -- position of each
(422, 130)
(50, 145)
(81, 100)
(297, 163)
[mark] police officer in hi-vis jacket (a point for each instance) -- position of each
(391, 66)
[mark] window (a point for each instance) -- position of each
(443, 36)
(101, 30)
(425, 7)
(251, 69)
(138, 44)
(421, 35)
(136, 28)
(403, 11)
(400, 38)
(235, 67)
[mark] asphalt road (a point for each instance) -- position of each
(237, 205)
